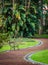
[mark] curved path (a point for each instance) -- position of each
(17, 57)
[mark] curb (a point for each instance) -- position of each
(28, 47)
(28, 59)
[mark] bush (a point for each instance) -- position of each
(47, 31)
(1, 42)
(3, 38)
(1, 45)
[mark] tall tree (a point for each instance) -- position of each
(41, 16)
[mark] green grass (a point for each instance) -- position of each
(21, 45)
(41, 56)
(5, 48)
(28, 44)
(41, 36)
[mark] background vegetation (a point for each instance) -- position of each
(23, 18)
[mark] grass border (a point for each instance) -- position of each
(28, 59)
(24, 48)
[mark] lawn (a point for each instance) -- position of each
(41, 36)
(21, 45)
(41, 56)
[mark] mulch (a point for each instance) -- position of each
(17, 57)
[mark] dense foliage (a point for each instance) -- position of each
(22, 19)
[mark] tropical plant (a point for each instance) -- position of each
(23, 18)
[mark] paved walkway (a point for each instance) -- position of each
(17, 57)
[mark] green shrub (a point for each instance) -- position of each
(3, 38)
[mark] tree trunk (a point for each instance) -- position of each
(41, 17)
(29, 4)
